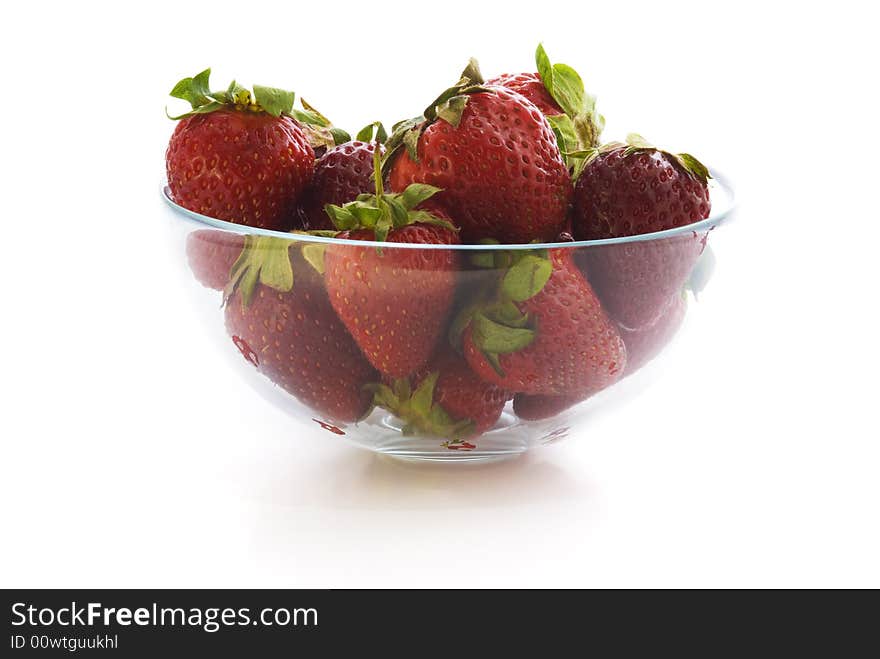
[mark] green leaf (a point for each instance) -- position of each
(365, 134)
(220, 97)
(319, 118)
(472, 72)
(423, 397)
(566, 137)
(460, 322)
(341, 217)
(429, 218)
(383, 396)
(374, 131)
(545, 69)
(383, 226)
(339, 135)
(248, 284)
(693, 166)
(637, 141)
(194, 90)
(306, 117)
(495, 363)
(494, 338)
(411, 142)
(399, 214)
(507, 313)
(274, 101)
(314, 256)
(367, 216)
(202, 109)
(526, 278)
(568, 89)
(451, 110)
(275, 271)
(416, 193)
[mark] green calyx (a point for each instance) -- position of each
(263, 260)
(374, 132)
(635, 143)
(447, 107)
(581, 126)
(417, 409)
(197, 92)
(498, 326)
(381, 212)
(318, 128)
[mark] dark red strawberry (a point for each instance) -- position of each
(280, 318)
(537, 407)
(395, 301)
(211, 254)
(494, 156)
(637, 189)
(443, 399)
(558, 92)
(341, 175)
(645, 344)
(238, 156)
(542, 330)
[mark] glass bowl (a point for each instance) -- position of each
(629, 298)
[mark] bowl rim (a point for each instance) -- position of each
(718, 216)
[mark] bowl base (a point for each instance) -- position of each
(417, 452)
(386, 437)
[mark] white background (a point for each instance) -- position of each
(132, 455)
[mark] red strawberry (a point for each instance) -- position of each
(641, 347)
(494, 156)
(394, 301)
(211, 255)
(341, 174)
(542, 331)
(280, 318)
(636, 189)
(558, 91)
(645, 344)
(443, 399)
(238, 157)
(530, 86)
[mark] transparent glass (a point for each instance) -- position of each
(614, 306)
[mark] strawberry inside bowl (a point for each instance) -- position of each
(462, 289)
(425, 348)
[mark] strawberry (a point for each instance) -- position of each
(394, 301)
(537, 407)
(280, 318)
(443, 399)
(632, 189)
(540, 329)
(238, 156)
(341, 174)
(641, 347)
(211, 255)
(558, 92)
(644, 344)
(494, 156)
(532, 87)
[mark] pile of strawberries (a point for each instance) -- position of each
(441, 337)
